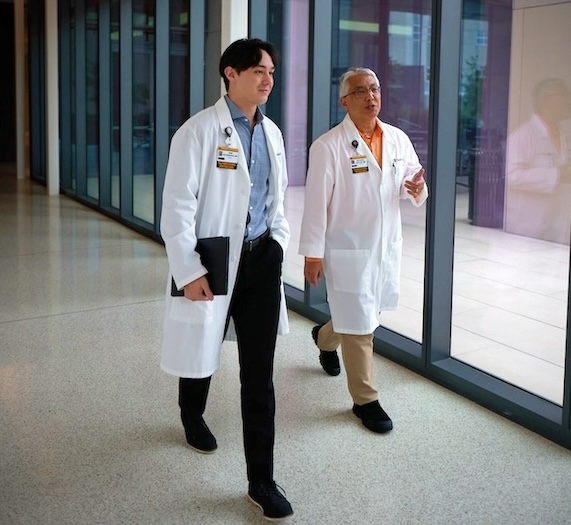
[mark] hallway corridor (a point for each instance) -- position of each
(90, 431)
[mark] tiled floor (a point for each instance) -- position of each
(89, 425)
(509, 297)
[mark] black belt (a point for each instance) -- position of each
(248, 246)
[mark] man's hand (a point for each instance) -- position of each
(415, 185)
(198, 290)
(313, 270)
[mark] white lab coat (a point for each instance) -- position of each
(201, 200)
(537, 204)
(353, 221)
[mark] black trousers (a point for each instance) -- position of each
(254, 308)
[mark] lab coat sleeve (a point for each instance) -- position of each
(412, 166)
(318, 190)
(179, 206)
(529, 166)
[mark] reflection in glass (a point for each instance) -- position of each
(92, 97)
(511, 239)
(143, 110)
(539, 167)
(179, 101)
(294, 52)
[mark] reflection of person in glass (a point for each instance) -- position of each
(351, 232)
(539, 167)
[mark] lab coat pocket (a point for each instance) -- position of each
(349, 269)
(191, 312)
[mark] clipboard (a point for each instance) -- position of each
(214, 255)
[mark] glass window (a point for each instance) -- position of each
(114, 36)
(294, 70)
(179, 101)
(512, 209)
(393, 39)
(143, 110)
(92, 97)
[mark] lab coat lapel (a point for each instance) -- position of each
(352, 134)
(389, 151)
(226, 121)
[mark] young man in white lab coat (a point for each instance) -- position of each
(227, 176)
(351, 233)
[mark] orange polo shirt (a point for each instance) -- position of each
(375, 143)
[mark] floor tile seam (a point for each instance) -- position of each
(519, 350)
(86, 310)
(119, 244)
(484, 304)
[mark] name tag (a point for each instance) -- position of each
(227, 158)
(359, 164)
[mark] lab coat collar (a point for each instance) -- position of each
(352, 134)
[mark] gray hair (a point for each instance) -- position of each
(351, 72)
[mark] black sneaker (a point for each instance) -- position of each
(267, 496)
(329, 360)
(199, 437)
(373, 417)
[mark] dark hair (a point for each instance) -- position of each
(244, 54)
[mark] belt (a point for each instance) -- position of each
(248, 246)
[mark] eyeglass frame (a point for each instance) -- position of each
(362, 91)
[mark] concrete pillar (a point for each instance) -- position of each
(234, 24)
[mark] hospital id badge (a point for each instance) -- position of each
(359, 164)
(227, 158)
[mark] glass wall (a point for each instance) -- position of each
(513, 207)
(289, 105)
(92, 97)
(495, 327)
(393, 39)
(121, 102)
(143, 97)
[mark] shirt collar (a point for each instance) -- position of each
(236, 112)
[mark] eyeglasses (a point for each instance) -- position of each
(363, 92)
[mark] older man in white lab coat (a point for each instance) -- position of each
(351, 233)
(226, 177)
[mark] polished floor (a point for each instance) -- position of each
(89, 427)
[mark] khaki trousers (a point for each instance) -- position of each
(357, 352)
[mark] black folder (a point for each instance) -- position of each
(214, 255)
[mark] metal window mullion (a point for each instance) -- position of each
(439, 248)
